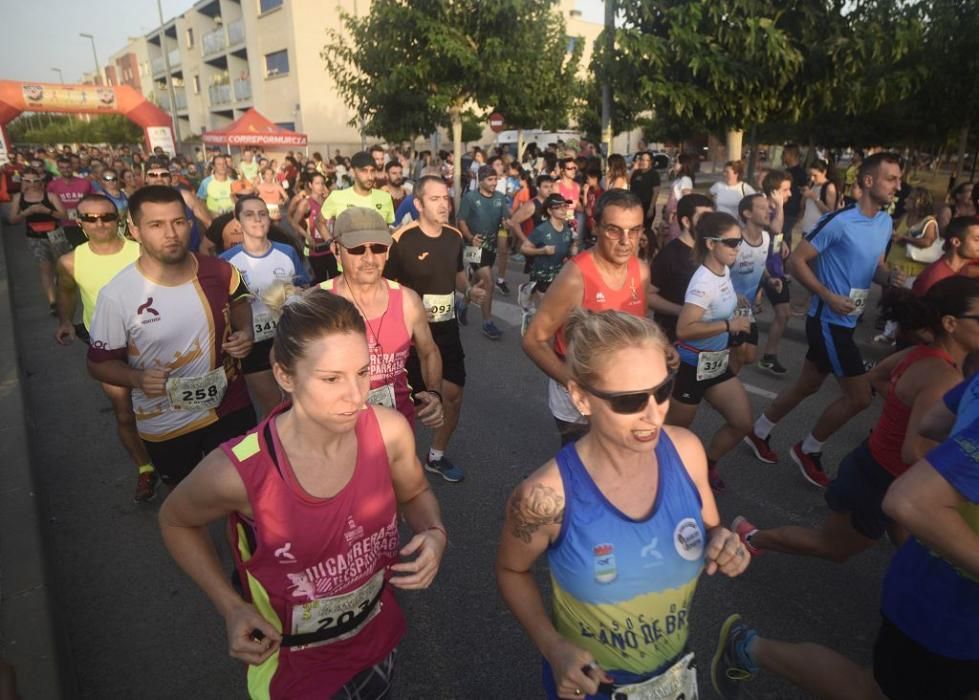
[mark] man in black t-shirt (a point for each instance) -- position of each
(645, 185)
(791, 160)
(426, 256)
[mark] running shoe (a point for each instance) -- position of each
(525, 294)
(491, 331)
(771, 363)
(444, 468)
(462, 313)
(761, 448)
(502, 286)
(714, 479)
(146, 487)
(730, 666)
(744, 530)
(811, 466)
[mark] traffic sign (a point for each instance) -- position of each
(496, 122)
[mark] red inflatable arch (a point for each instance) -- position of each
(18, 97)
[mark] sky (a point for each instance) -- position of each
(45, 33)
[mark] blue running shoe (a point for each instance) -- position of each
(444, 468)
(491, 331)
(731, 665)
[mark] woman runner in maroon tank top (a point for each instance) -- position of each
(313, 496)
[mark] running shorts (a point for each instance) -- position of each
(749, 338)
(258, 359)
(688, 390)
(832, 349)
(859, 489)
(778, 297)
(446, 336)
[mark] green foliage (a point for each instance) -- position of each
(47, 129)
(472, 128)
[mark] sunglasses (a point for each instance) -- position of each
(376, 249)
(729, 242)
(98, 218)
(108, 178)
(157, 173)
(627, 402)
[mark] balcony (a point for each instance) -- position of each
(181, 100)
(243, 90)
(214, 42)
(158, 65)
(219, 94)
(175, 58)
(236, 32)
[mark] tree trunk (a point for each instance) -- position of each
(734, 140)
(455, 114)
(752, 150)
(959, 165)
(520, 144)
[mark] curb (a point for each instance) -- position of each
(30, 641)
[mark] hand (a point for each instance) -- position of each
(64, 334)
(477, 241)
(776, 284)
(568, 664)
(238, 344)
(241, 621)
(840, 304)
(743, 303)
(672, 357)
(428, 545)
(725, 553)
(785, 251)
(430, 412)
(477, 292)
(897, 278)
(549, 249)
(739, 324)
(808, 193)
(153, 382)
(776, 199)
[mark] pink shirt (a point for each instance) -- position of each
(69, 191)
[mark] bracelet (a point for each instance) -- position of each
(432, 391)
(440, 529)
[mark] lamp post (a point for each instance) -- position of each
(173, 93)
(61, 76)
(98, 70)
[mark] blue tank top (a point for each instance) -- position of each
(623, 588)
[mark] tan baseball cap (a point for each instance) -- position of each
(359, 225)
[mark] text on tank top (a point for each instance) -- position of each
(888, 434)
(598, 296)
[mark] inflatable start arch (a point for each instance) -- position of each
(16, 97)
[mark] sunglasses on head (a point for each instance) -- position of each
(96, 218)
(729, 242)
(626, 402)
(376, 249)
(108, 178)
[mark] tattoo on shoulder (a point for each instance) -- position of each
(531, 511)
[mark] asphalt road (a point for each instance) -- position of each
(139, 628)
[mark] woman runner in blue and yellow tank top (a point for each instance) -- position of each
(627, 521)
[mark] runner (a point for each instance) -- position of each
(304, 214)
(313, 497)
(156, 330)
(395, 185)
(682, 186)
(819, 196)
(503, 235)
(549, 246)
(846, 253)
(569, 188)
(200, 218)
(749, 275)
(645, 184)
(606, 277)
(261, 262)
(215, 189)
(627, 521)
(272, 193)
(83, 272)
(791, 158)
(394, 315)
(675, 264)
(961, 255)
(703, 332)
(248, 168)
(912, 381)
(777, 187)
(42, 213)
(426, 256)
(70, 188)
(482, 213)
(111, 186)
(959, 203)
(728, 192)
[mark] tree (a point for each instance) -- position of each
(103, 128)
(413, 65)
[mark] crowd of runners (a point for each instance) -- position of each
(274, 333)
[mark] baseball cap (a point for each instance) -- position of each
(555, 200)
(361, 159)
(359, 225)
(486, 171)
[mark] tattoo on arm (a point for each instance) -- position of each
(529, 512)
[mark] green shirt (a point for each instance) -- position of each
(340, 200)
(483, 215)
(248, 170)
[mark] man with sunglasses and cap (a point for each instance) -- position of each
(82, 273)
(111, 186)
(158, 173)
(548, 247)
(394, 316)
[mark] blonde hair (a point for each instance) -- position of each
(305, 315)
(593, 336)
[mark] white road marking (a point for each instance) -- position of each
(758, 391)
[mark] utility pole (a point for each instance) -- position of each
(607, 85)
(166, 63)
(98, 70)
(61, 76)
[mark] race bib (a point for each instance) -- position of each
(777, 242)
(859, 299)
(439, 307)
(265, 327)
(274, 211)
(679, 682)
(382, 396)
(746, 312)
(711, 364)
(471, 255)
(57, 238)
(198, 393)
(339, 617)
(73, 215)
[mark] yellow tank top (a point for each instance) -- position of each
(219, 196)
(92, 272)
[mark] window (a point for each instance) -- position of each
(291, 126)
(197, 85)
(190, 38)
(268, 5)
(276, 63)
(572, 43)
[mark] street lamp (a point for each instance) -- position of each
(61, 76)
(98, 71)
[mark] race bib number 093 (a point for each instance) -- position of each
(439, 307)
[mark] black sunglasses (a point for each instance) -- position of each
(94, 218)
(729, 242)
(627, 402)
(157, 173)
(376, 249)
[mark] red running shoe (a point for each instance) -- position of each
(714, 479)
(811, 466)
(744, 530)
(760, 447)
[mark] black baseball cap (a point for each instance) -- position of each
(556, 200)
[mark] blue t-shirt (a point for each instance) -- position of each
(202, 188)
(749, 266)
(545, 235)
(716, 296)
(406, 212)
(850, 246)
(963, 401)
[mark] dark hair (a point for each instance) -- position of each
(393, 164)
(375, 148)
(593, 171)
(772, 180)
(689, 203)
(686, 165)
(820, 165)
(152, 194)
(317, 155)
(541, 179)
(711, 225)
(423, 182)
(951, 296)
(959, 228)
(871, 165)
(565, 161)
(747, 204)
(305, 317)
(622, 199)
(246, 198)
(959, 189)
(737, 166)
(96, 197)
